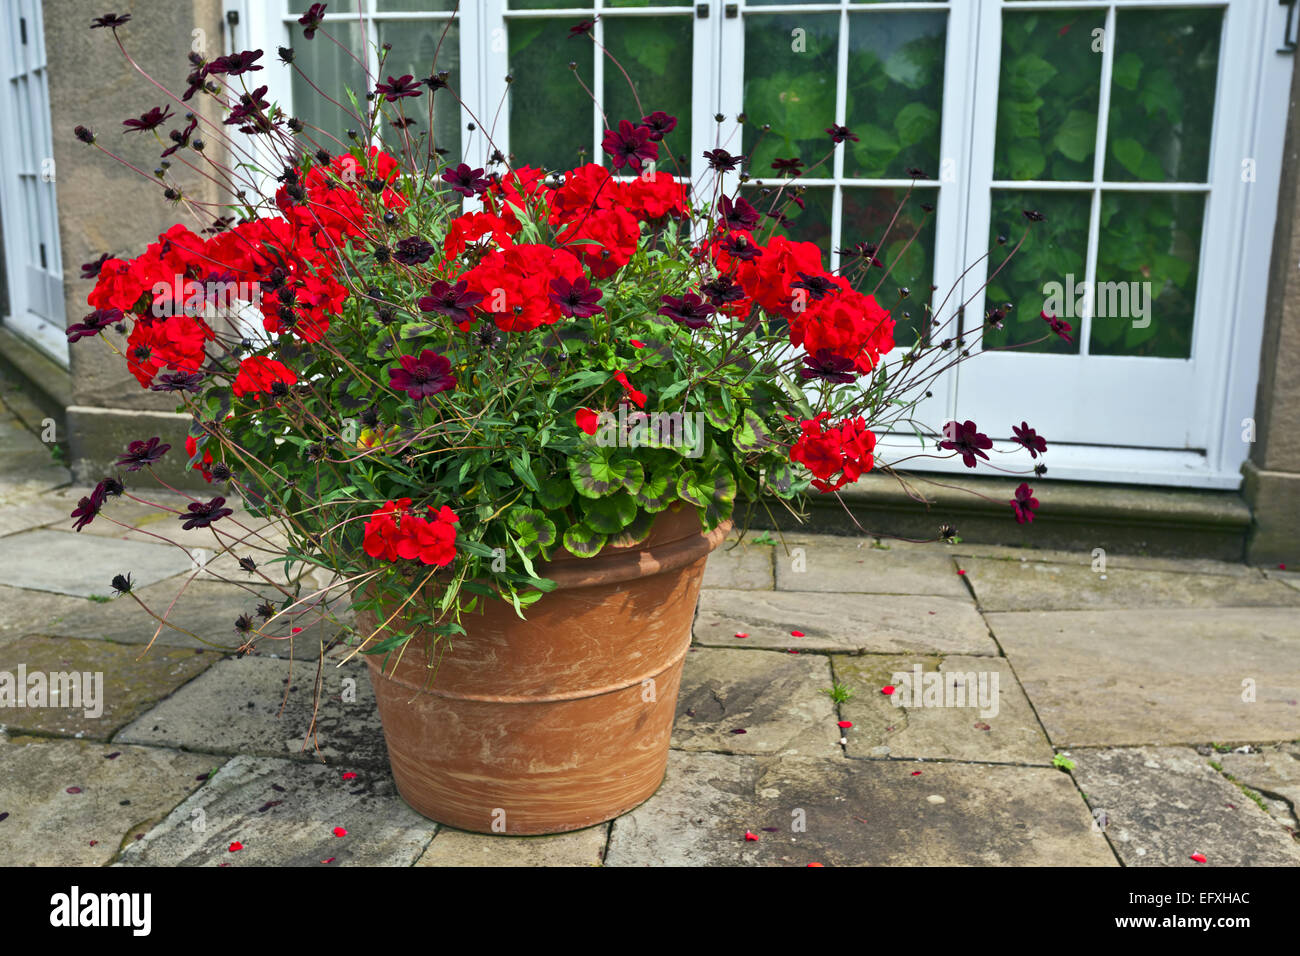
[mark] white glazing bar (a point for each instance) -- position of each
(1080, 185)
(598, 85)
(1098, 175)
(841, 112)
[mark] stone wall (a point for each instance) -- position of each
(106, 207)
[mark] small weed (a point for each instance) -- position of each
(838, 693)
(1062, 762)
(763, 538)
(98, 598)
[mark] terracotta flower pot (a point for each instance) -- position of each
(561, 721)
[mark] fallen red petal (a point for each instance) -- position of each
(739, 730)
(74, 790)
(236, 847)
(916, 773)
(349, 776)
(742, 634)
(796, 633)
(751, 836)
(1198, 857)
(961, 570)
(815, 864)
(340, 832)
(330, 860)
(844, 724)
(887, 689)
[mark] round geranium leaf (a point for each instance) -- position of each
(534, 530)
(657, 492)
(582, 540)
(609, 515)
(780, 478)
(753, 434)
(554, 493)
(635, 533)
(714, 493)
(595, 473)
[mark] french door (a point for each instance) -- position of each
(1147, 134)
(32, 272)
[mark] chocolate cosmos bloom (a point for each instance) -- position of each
(690, 310)
(454, 302)
(147, 121)
(721, 160)
(202, 514)
(412, 251)
(738, 215)
(828, 367)
(738, 247)
(722, 289)
(110, 20)
(817, 287)
(576, 299)
(399, 88)
(141, 454)
(1024, 503)
(1029, 438)
(423, 376)
(468, 182)
(91, 269)
(788, 166)
(1062, 329)
(659, 124)
(122, 584)
(311, 20)
(236, 63)
(839, 134)
(178, 382)
(629, 146)
(582, 29)
(88, 507)
(966, 439)
(93, 324)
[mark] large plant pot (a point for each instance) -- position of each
(561, 721)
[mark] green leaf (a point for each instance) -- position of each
(753, 434)
(1127, 70)
(525, 474)
(554, 493)
(535, 531)
(595, 473)
(1027, 160)
(714, 494)
(635, 533)
(915, 122)
(657, 492)
(583, 541)
(1077, 135)
(1026, 74)
(1130, 154)
(609, 515)
(780, 478)
(718, 416)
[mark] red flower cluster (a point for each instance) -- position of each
(393, 532)
(845, 450)
(260, 374)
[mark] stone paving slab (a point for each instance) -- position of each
(856, 813)
(854, 565)
(1085, 557)
(16, 518)
(883, 728)
(284, 813)
(1274, 773)
(879, 624)
(1162, 804)
(115, 683)
(240, 706)
(65, 562)
(743, 566)
(776, 698)
(1037, 586)
(1286, 577)
(1127, 678)
(30, 612)
(458, 848)
(206, 609)
(119, 792)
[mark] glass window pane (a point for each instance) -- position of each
(650, 50)
(422, 48)
(1147, 264)
(416, 6)
(299, 7)
(334, 71)
(645, 3)
(1055, 250)
(895, 90)
(1162, 95)
(907, 254)
(807, 211)
(550, 114)
(1048, 93)
(790, 84)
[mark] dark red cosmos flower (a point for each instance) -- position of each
(88, 507)
(865, 251)
(1024, 503)
(141, 454)
(966, 439)
(576, 299)
(629, 146)
(1029, 438)
(1061, 328)
(201, 514)
(817, 287)
(90, 270)
(690, 310)
(721, 160)
(453, 301)
(839, 134)
(791, 167)
(93, 324)
(468, 182)
(423, 376)
(178, 382)
(582, 29)
(737, 215)
(181, 137)
(147, 121)
(398, 88)
(110, 20)
(251, 111)
(311, 20)
(828, 367)
(413, 250)
(722, 289)
(739, 247)
(236, 63)
(659, 124)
